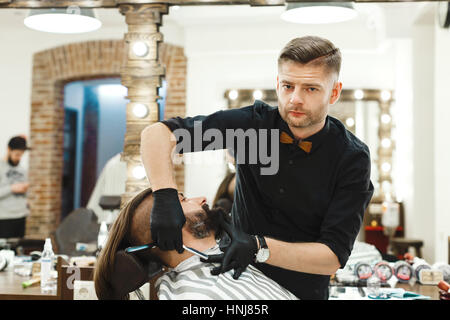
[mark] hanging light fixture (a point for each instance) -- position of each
(318, 12)
(60, 20)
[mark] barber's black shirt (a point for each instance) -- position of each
(319, 196)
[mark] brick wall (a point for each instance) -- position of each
(52, 69)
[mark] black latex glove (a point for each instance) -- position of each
(237, 255)
(167, 220)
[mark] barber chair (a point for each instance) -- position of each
(132, 271)
(110, 202)
(80, 226)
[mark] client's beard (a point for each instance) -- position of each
(206, 222)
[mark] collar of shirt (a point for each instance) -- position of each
(194, 261)
(316, 138)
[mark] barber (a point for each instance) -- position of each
(300, 223)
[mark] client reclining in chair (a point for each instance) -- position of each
(117, 273)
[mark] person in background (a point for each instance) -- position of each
(225, 193)
(13, 188)
(111, 182)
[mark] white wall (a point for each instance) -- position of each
(420, 221)
(441, 143)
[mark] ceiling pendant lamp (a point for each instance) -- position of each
(60, 20)
(319, 12)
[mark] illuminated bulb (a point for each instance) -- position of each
(386, 167)
(257, 94)
(358, 94)
(386, 143)
(233, 94)
(139, 172)
(140, 110)
(385, 118)
(350, 122)
(385, 95)
(140, 48)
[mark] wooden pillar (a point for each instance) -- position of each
(142, 75)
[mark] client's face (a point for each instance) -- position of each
(201, 221)
(199, 218)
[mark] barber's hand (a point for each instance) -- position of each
(167, 220)
(238, 255)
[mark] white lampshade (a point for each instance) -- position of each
(60, 20)
(318, 12)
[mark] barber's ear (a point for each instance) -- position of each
(335, 92)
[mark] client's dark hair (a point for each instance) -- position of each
(119, 239)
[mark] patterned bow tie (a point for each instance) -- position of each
(304, 145)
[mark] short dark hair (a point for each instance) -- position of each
(18, 143)
(313, 49)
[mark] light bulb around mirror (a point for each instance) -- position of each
(257, 94)
(385, 118)
(386, 167)
(358, 94)
(386, 143)
(385, 95)
(140, 110)
(233, 94)
(350, 122)
(140, 48)
(139, 172)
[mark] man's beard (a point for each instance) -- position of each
(308, 119)
(303, 123)
(12, 163)
(205, 222)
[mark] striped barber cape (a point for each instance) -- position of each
(192, 280)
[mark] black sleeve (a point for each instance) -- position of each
(345, 214)
(208, 132)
